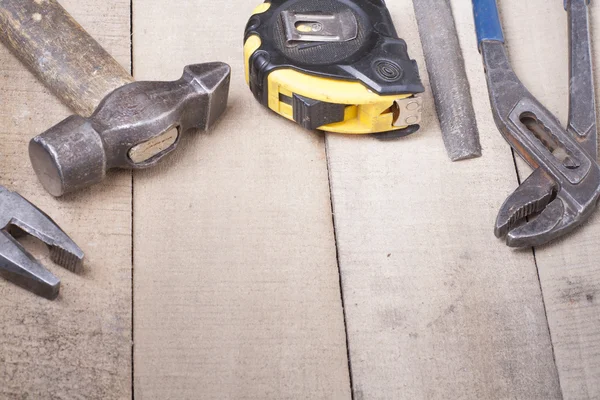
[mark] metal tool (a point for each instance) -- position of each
(448, 78)
(333, 65)
(564, 189)
(131, 124)
(18, 217)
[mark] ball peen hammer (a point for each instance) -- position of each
(119, 123)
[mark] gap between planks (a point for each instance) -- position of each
(337, 258)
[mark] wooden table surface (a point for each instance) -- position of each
(262, 261)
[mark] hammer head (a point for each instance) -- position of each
(135, 126)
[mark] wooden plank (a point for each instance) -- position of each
(436, 307)
(569, 269)
(236, 285)
(79, 346)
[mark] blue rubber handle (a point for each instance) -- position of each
(487, 21)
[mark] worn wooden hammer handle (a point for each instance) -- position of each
(43, 35)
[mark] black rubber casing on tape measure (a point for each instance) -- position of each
(377, 57)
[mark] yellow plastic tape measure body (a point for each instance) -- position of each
(364, 112)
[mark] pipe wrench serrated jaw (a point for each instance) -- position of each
(18, 216)
(549, 211)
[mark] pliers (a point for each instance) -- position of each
(564, 189)
(17, 217)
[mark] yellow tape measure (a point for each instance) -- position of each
(333, 65)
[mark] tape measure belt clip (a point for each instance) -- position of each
(303, 28)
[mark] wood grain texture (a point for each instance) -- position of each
(79, 346)
(236, 284)
(569, 269)
(436, 307)
(60, 53)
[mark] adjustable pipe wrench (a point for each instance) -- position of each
(564, 189)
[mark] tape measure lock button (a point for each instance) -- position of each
(312, 114)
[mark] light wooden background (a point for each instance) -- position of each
(265, 262)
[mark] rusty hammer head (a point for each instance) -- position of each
(133, 127)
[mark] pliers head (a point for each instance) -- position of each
(541, 210)
(564, 189)
(18, 216)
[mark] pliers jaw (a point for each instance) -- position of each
(529, 199)
(18, 216)
(17, 266)
(536, 213)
